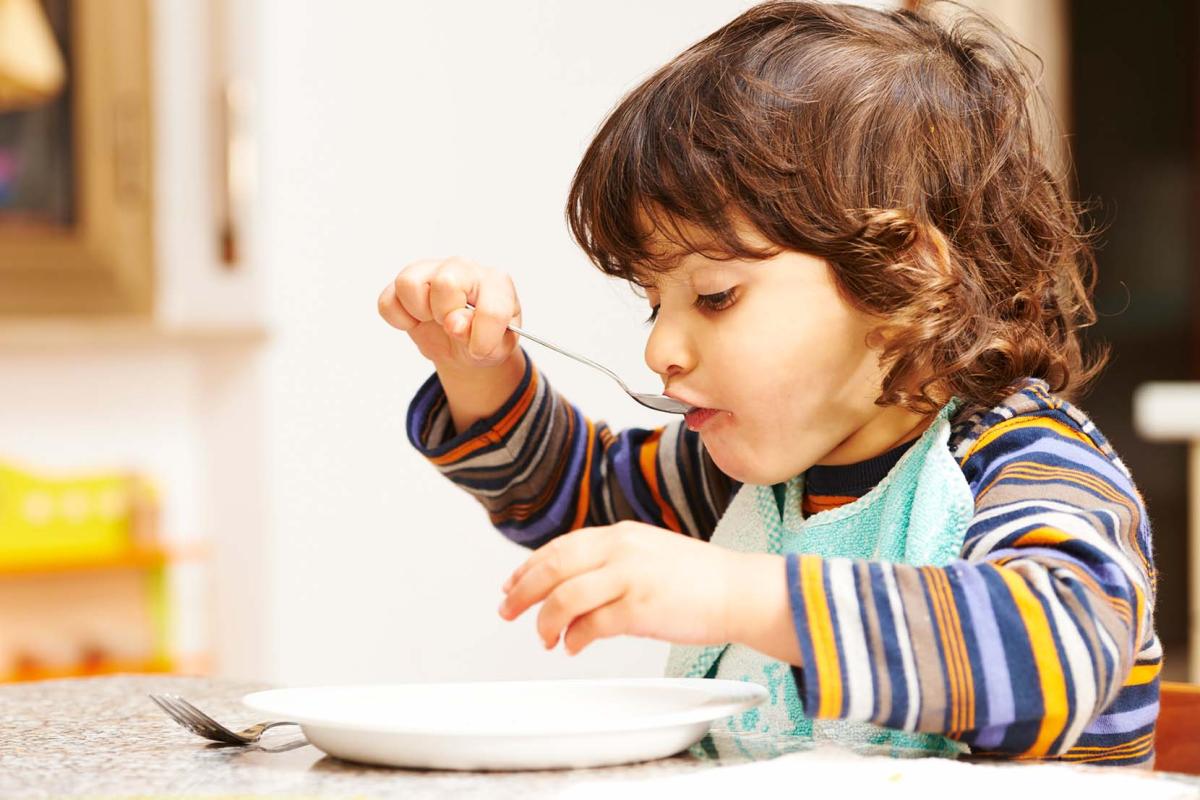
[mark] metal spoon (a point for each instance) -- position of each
(656, 401)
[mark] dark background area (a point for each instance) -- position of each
(1133, 141)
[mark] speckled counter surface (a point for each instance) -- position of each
(102, 737)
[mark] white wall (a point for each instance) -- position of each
(392, 132)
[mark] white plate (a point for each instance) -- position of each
(544, 724)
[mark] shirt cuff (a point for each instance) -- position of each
(431, 429)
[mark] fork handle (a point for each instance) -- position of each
(259, 729)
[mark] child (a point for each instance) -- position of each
(868, 282)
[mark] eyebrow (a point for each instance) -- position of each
(651, 281)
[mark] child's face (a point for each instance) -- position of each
(783, 359)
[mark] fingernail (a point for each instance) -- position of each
(503, 609)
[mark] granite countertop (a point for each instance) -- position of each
(102, 737)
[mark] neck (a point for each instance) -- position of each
(890, 428)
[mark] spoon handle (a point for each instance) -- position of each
(565, 352)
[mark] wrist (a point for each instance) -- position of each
(760, 609)
(475, 393)
(464, 374)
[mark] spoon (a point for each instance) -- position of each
(656, 401)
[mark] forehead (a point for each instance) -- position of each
(668, 237)
(677, 247)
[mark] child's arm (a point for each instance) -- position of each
(541, 468)
(1018, 646)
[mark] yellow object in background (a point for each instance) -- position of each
(64, 520)
(31, 66)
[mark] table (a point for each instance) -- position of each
(102, 737)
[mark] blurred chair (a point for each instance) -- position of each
(1177, 741)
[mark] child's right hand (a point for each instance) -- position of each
(428, 301)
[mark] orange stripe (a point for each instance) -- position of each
(1141, 608)
(1131, 749)
(1143, 750)
(1048, 399)
(1084, 478)
(1053, 685)
(522, 511)
(947, 620)
(816, 503)
(1118, 605)
(497, 432)
(585, 489)
(996, 430)
(1037, 471)
(1043, 536)
(648, 458)
(951, 674)
(956, 632)
(1027, 469)
(1053, 536)
(1130, 745)
(820, 628)
(1142, 674)
(1030, 470)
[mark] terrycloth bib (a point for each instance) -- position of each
(918, 514)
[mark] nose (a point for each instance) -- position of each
(669, 351)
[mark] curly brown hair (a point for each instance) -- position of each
(906, 151)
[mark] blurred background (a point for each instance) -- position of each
(203, 462)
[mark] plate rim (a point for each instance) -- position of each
(747, 695)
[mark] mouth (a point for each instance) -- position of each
(698, 417)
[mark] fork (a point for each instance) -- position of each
(201, 724)
(656, 401)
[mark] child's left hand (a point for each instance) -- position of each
(628, 578)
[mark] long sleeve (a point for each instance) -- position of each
(541, 468)
(1017, 647)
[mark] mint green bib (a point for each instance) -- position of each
(918, 514)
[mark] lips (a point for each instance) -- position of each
(696, 418)
(698, 414)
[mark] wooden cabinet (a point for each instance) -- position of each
(82, 243)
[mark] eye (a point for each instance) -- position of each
(715, 302)
(708, 302)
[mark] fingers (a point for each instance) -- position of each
(404, 302)
(430, 290)
(577, 597)
(393, 312)
(452, 285)
(600, 623)
(496, 307)
(439, 291)
(563, 558)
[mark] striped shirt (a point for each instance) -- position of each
(1037, 643)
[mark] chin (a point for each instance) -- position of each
(742, 472)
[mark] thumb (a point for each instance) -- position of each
(458, 323)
